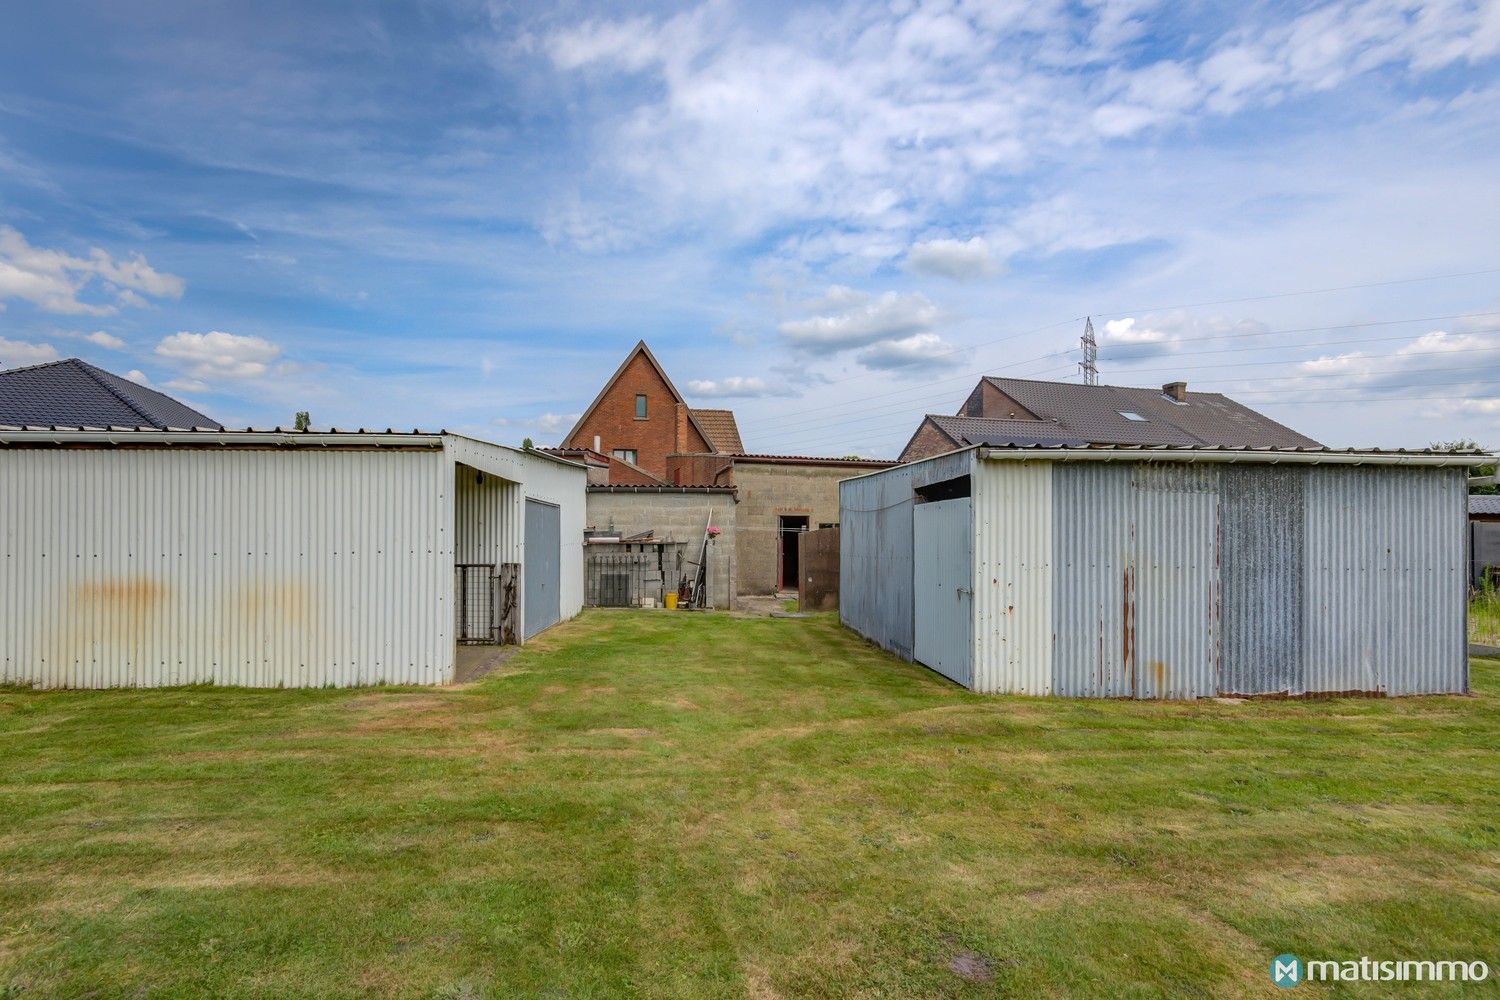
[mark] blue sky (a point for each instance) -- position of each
(831, 218)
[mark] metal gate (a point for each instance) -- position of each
(943, 587)
(475, 589)
(542, 573)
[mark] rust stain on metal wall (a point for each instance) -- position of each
(129, 595)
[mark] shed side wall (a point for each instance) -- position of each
(146, 568)
(875, 547)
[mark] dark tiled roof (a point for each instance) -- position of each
(74, 393)
(1001, 431)
(1094, 414)
(1484, 505)
(723, 433)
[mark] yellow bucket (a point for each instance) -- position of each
(671, 601)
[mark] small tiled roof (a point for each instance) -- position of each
(1487, 505)
(1002, 431)
(1094, 413)
(723, 433)
(74, 393)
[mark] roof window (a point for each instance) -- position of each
(1131, 415)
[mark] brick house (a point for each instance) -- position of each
(639, 418)
(1018, 411)
(642, 442)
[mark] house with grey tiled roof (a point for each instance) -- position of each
(74, 393)
(1015, 411)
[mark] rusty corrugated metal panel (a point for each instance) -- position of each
(151, 567)
(1092, 551)
(1013, 577)
(1386, 597)
(875, 547)
(1262, 576)
(1176, 580)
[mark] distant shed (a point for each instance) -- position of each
(1484, 538)
(1163, 572)
(145, 558)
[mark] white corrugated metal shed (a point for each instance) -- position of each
(145, 558)
(1177, 572)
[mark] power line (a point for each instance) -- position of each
(1242, 334)
(832, 419)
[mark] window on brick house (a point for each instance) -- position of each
(625, 454)
(640, 407)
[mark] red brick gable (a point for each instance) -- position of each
(668, 428)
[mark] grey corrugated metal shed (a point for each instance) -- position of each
(1166, 572)
(74, 393)
(1094, 413)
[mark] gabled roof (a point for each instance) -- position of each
(639, 348)
(723, 433)
(1095, 413)
(74, 393)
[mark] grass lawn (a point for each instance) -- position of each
(694, 805)
(1484, 617)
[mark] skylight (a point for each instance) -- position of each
(1128, 415)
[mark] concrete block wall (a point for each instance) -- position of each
(769, 490)
(676, 516)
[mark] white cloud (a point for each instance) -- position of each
(918, 353)
(18, 353)
(856, 319)
(551, 423)
(53, 280)
(192, 385)
(735, 387)
(219, 355)
(138, 377)
(877, 119)
(1125, 331)
(1467, 363)
(103, 339)
(957, 259)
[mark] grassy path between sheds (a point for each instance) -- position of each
(705, 806)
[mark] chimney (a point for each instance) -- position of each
(1175, 391)
(680, 445)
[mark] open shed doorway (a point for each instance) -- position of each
(789, 528)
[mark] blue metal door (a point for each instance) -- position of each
(943, 587)
(542, 569)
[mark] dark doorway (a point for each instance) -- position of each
(791, 526)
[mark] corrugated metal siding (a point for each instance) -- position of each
(875, 548)
(1176, 597)
(1262, 540)
(1093, 555)
(542, 478)
(1385, 588)
(258, 568)
(1013, 577)
(943, 588)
